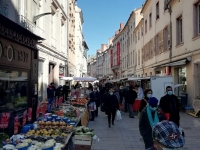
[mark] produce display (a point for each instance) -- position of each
(54, 125)
(82, 130)
(59, 113)
(46, 133)
(79, 102)
(3, 137)
(71, 113)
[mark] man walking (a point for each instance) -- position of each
(170, 104)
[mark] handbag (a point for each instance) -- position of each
(92, 106)
(118, 116)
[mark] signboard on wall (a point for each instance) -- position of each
(111, 58)
(61, 71)
(118, 54)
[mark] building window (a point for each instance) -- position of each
(131, 58)
(136, 59)
(131, 38)
(197, 19)
(181, 80)
(179, 30)
(139, 57)
(145, 26)
(157, 44)
(157, 10)
(13, 90)
(150, 20)
(141, 31)
(138, 35)
(165, 38)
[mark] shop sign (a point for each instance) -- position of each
(111, 58)
(61, 71)
(29, 114)
(118, 53)
(24, 117)
(16, 124)
(4, 8)
(5, 117)
(11, 54)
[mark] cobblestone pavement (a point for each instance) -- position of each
(124, 135)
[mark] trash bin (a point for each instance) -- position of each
(184, 99)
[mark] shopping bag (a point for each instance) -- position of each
(118, 116)
(92, 106)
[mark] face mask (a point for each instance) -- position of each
(169, 92)
(153, 108)
(149, 95)
(111, 93)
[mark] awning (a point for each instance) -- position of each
(138, 79)
(176, 63)
(67, 78)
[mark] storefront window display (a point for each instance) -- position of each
(181, 80)
(13, 90)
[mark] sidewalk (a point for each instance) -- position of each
(124, 135)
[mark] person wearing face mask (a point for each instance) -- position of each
(144, 101)
(111, 106)
(148, 118)
(170, 104)
(97, 100)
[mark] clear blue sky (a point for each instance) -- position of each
(102, 19)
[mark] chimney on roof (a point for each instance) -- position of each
(116, 32)
(121, 26)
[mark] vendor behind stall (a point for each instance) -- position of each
(140, 92)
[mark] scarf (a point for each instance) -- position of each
(151, 120)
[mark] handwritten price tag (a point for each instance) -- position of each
(5, 117)
(29, 114)
(16, 125)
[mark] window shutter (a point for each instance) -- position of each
(195, 20)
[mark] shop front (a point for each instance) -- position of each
(18, 71)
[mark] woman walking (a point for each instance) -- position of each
(111, 106)
(149, 117)
(144, 101)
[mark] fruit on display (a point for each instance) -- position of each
(82, 130)
(71, 112)
(59, 113)
(46, 133)
(79, 101)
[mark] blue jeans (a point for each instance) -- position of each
(50, 100)
(130, 107)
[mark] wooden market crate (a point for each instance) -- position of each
(82, 140)
(83, 147)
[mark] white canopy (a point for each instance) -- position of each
(67, 78)
(84, 79)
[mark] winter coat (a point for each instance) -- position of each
(131, 96)
(166, 103)
(95, 97)
(117, 95)
(111, 103)
(143, 104)
(50, 91)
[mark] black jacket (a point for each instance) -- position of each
(95, 97)
(143, 104)
(170, 104)
(131, 96)
(111, 103)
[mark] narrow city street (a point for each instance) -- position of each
(124, 135)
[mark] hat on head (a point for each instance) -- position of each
(168, 134)
(153, 101)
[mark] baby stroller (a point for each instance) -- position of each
(167, 136)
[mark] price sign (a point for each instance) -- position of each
(16, 124)
(5, 117)
(24, 117)
(29, 114)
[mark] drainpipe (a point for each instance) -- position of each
(170, 48)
